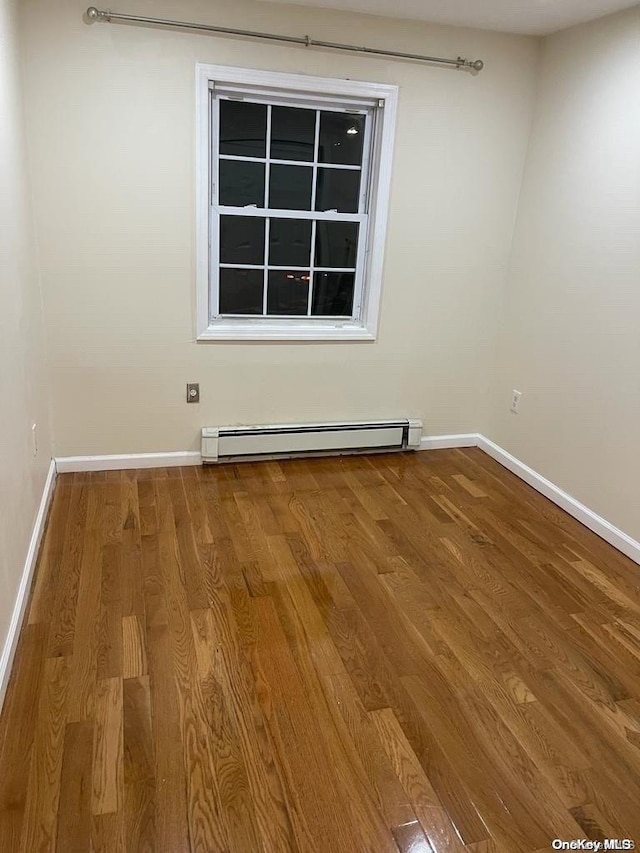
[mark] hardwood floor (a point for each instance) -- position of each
(405, 652)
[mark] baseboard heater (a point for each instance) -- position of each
(237, 443)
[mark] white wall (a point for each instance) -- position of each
(23, 386)
(571, 322)
(111, 129)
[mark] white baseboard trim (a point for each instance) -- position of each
(22, 596)
(120, 462)
(442, 442)
(607, 531)
(123, 461)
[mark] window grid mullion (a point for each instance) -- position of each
(314, 185)
(265, 285)
(279, 161)
(290, 213)
(288, 317)
(267, 226)
(284, 267)
(316, 148)
(267, 167)
(312, 267)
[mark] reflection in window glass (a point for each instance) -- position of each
(290, 187)
(288, 292)
(333, 293)
(241, 240)
(338, 189)
(289, 242)
(243, 129)
(241, 183)
(341, 138)
(241, 291)
(336, 244)
(293, 133)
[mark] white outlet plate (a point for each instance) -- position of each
(515, 401)
(34, 439)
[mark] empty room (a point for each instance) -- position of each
(319, 438)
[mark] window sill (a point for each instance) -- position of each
(254, 332)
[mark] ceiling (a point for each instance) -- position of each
(531, 17)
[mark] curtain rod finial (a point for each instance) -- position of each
(93, 14)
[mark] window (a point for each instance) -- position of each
(293, 181)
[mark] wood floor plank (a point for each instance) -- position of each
(108, 786)
(191, 568)
(360, 735)
(139, 767)
(109, 630)
(233, 786)
(268, 787)
(433, 817)
(107, 833)
(131, 574)
(74, 811)
(63, 605)
(21, 709)
(308, 765)
(207, 829)
(43, 792)
(47, 577)
(300, 625)
(83, 663)
(403, 652)
(172, 824)
(410, 838)
(134, 656)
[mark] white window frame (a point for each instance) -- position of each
(371, 246)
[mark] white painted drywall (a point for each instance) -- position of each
(571, 322)
(111, 134)
(23, 385)
(507, 16)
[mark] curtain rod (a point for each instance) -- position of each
(106, 16)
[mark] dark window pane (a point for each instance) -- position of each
(293, 133)
(241, 291)
(288, 292)
(243, 129)
(241, 183)
(290, 187)
(336, 244)
(338, 189)
(341, 137)
(333, 293)
(289, 242)
(241, 240)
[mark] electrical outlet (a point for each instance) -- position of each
(34, 439)
(515, 401)
(193, 392)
